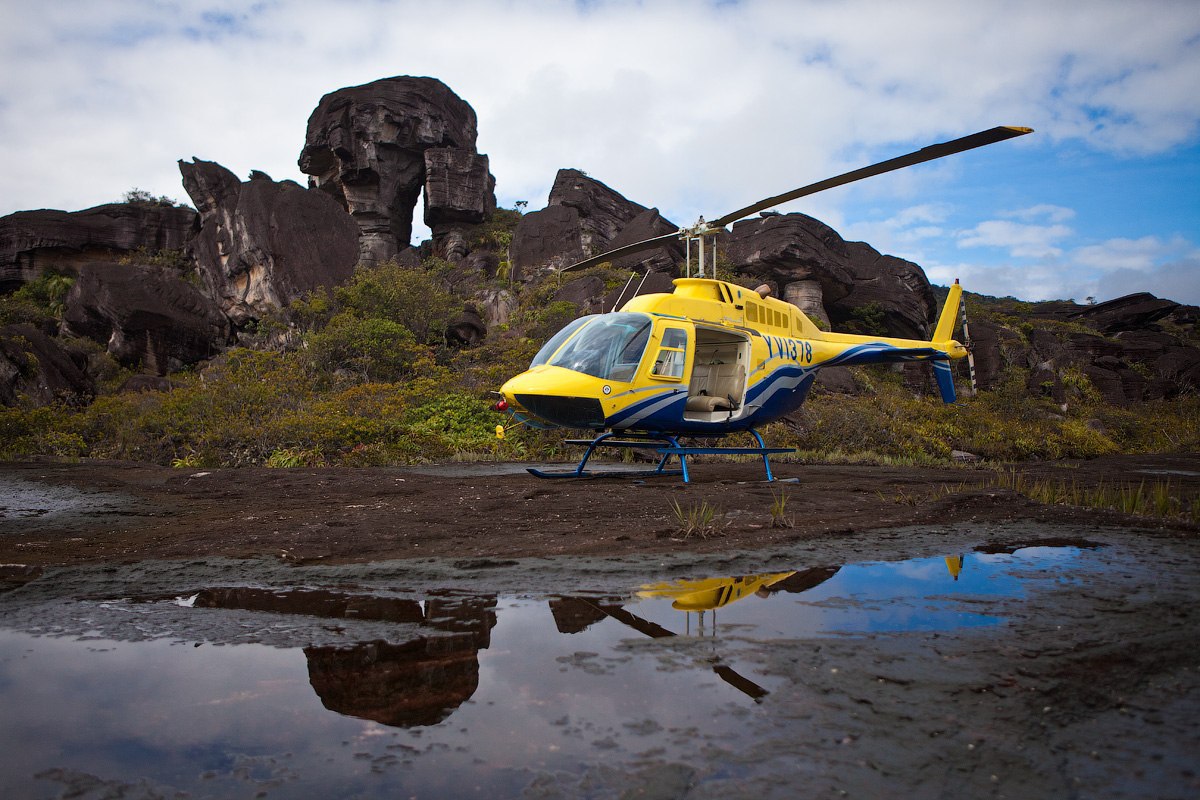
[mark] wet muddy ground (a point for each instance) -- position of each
(469, 631)
(72, 513)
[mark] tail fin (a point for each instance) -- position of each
(945, 326)
(942, 335)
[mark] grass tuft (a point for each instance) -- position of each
(779, 516)
(698, 519)
(1159, 499)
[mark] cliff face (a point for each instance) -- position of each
(35, 242)
(805, 257)
(262, 243)
(584, 217)
(1131, 349)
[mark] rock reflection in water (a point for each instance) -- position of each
(419, 682)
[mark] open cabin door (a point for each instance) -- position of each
(717, 390)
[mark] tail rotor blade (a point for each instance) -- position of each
(970, 348)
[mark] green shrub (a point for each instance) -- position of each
(38, 301)
(415, 298)
(376, 349)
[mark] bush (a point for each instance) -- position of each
(415, 298)
(39, 301)
(375, 349)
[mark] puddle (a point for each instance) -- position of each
(318, 692)
(32, 500)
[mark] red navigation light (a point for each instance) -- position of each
(501, 405)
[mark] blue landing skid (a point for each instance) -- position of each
(668, 446)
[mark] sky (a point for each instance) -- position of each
(695, 108)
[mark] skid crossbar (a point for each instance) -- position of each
(668, 446)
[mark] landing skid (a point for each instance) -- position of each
(667, 446)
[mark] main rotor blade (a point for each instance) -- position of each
(929, 153)
(624, 250)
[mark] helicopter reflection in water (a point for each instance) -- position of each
(422, 681)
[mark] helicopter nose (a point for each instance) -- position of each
(555, 395)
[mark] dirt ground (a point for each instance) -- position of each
(71, 513)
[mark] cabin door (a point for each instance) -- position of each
(717, 390)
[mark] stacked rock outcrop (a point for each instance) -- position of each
(375, 147)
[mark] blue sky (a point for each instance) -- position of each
(693, 107)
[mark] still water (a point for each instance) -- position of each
(335, 692)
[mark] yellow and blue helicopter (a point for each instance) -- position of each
(710, 358)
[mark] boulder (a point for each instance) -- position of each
(39, 369)
(496, 306)
(584, 218)
(467, 329)
(366, 146)
(549, 238)
(836, 380)
(262, 243)
(663, 259)
(1181, 366)
(1131, 312)
(586, 293)
(782, 249)
(33, 242)
(603, 212)
(147, 317)
(458, 187)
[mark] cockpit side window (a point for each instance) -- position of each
(671, 359)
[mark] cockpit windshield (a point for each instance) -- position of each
(608, 347)
(556, 341)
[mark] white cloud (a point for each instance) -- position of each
(1046, 211)
(1028, 282)
(1138, 255)
(1117, 267)
(1020, 240)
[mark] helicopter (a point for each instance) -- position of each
(711, 358)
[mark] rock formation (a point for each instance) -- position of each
(583, 218)
(32, 242)
(263, 243)
(788, 249)
(145, 316)
(370, 148)
(1128, 358)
